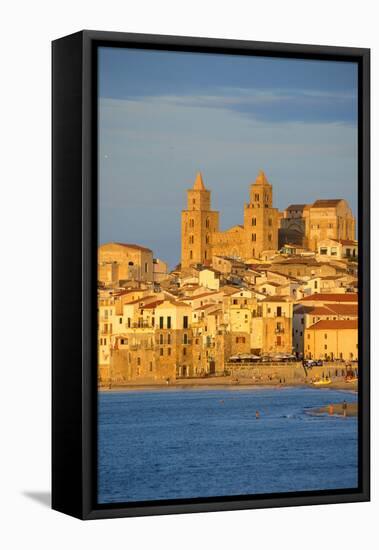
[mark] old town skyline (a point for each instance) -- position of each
(279, 286)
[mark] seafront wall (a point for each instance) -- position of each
(268, 372)
(289, 372)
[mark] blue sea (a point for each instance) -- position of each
(189, 443)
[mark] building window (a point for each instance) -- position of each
(145, 267)
(138, 361)
(191, 239)
(161, 352)
(120, 320)
(151, 366)
(207, 223)
(279, 311)
(325, 336)
(185, 321)
(191, 255)
(169, 338)
(333, 251)
(169, 351)
(185, 339)
(278, 340)
(160, 322)
(168, 322)
(192, 223)
(269, 237)
(256, 197)
(207, 239)
(184, 351)
(254, 221)
(270, 222)
(161, 339)
(325, 346)
(253, 237)
(128, 322)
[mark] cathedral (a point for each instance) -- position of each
(264, 227)
(202, 239)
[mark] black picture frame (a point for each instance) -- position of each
(74, 269)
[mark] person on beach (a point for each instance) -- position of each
(344, 407)
(257, 415)
(331, 410)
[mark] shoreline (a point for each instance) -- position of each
(337, 410)
(215, 383)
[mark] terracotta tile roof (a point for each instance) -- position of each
(331, 297)
(228, 290)
(152, 305)
(326, 203)
(299, 261)
(277, 299)
(134, 247)
(301, 309)
(347, 242)
(335, 325)
(272, 283)
(142, 299)
(296, 207)
(344, 309)
(320, 310)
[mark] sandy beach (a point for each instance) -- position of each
(228, 382)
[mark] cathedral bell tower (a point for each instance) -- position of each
(198, 224)
(261, 220)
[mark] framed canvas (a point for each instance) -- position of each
(210, 275)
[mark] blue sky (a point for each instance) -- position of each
(165, 115)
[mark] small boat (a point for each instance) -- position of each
(324, 382)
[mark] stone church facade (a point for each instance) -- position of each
(202, 239)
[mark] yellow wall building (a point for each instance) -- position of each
(133, 262)
(332, 339)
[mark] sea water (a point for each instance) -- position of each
(190, 443)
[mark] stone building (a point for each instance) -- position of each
(308, 224)
(120, 261)
(201, 238)
(198, 223)
(332, 340)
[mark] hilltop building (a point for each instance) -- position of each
(309, 224)
(201, 238)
